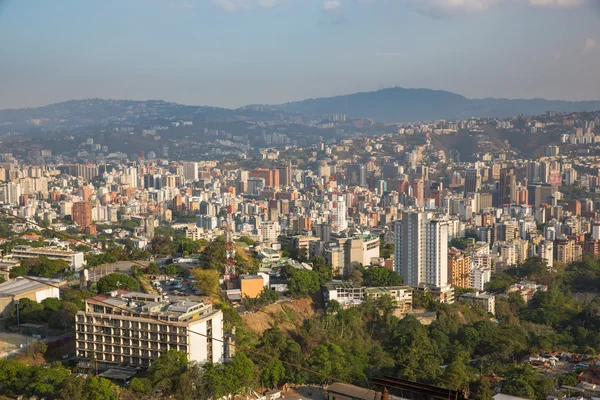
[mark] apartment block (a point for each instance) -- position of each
(73, 258)
(350, 295)
(132, 328)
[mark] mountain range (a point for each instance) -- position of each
(392, 104)
(404, 105)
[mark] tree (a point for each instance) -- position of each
(167, 368)
(141, 386)
(356, 277)
(152, 269)
(303, 283)
(207, 280)
(116, 281)
(72, 388)
(215, 253)
(321, 268)
(240, 372)
(188, 387)
(162, 246)
(173, 269)
(36, 348)
(272, 374)
(381, 276)
(101, 389)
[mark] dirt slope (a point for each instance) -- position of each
(288, 314)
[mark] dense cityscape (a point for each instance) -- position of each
(150, 254)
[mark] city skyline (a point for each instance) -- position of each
(233, 53)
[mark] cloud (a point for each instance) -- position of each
(332, 5)
(440, 8)
(589, 46)
(557, 3)
(445, 8)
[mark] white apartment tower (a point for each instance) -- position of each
(338, 214)
(190, 171)
(421, 250)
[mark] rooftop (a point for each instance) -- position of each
(23, 285)
(153, 305)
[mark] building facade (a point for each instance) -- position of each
(131, 328)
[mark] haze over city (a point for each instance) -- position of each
(237, 52)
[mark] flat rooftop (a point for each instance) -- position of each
(23, 285)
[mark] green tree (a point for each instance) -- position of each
(303, 283)
(381, 276)
(173, 269)
(141, 386)
(72, 388)
(207, 280)
(162, 246)
(116, 281)
(272, 373)
(167, 368)
(152, 269)
(101, 389)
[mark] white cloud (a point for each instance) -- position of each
(332, 5)
(442, 7)
(557, 3)
(589, 46)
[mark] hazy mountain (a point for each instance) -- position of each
(399, 104)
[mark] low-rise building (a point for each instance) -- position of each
(349, 295)
(251, 286)
(487, 300)
(132, 328)
(22, 288)
(75, 259)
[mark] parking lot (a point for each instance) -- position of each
(177, 288)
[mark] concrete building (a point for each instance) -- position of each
(338, 214)
(23, 288)
(487, 300)
(459, 268)
(75, 259)
(421, 250)
(349, 295)
(82, 213)
(251, 286)
(132, 328)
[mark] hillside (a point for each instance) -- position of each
(405, 105)
(288, 315)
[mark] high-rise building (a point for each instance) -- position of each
(356, 175)
(508, 187)
(338, 214)
(269, 231)
(472, 181)
(285, 173)
(190, 171)
(87, 172)
(270, 176)
(131, 328)
(459, 268)
(421, 249)
(82, 213)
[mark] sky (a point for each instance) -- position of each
(232, 53)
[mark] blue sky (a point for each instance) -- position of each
(236, 52)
